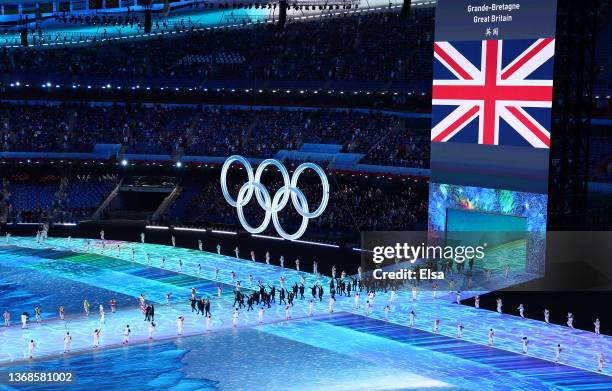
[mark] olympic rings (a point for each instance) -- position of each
(273, 205)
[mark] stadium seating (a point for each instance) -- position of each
(31, 199)
(210, 131)
(383, 203)
(601, 159)
(374, 47)
(83, 195)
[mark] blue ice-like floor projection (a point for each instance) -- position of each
(31, 277)
(23, 289)
(340, 351)
(248, 359)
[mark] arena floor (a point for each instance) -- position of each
(343, 350)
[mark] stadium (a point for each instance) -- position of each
(308, 195)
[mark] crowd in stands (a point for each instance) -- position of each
(382, 138)
(401, 147)
(357, 203)
(130, 19)
(106, 26)
(209, 131)
(258, 133)
(46, 128)
(370, 47)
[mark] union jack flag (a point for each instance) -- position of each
(495, 92)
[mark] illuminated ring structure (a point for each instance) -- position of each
(273, 205)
